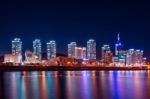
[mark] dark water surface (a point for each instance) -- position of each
(75, 85)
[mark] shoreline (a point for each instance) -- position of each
(67, 68)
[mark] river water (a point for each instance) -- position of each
(75, 85)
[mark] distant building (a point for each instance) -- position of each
(62, 61)
(130, 57)
(16, 46)
(115, 60)
(71, 49)
(30, 57)
(119, 52)
(51, 49)
(104, 49)
(37, 48)
(91, 49)
(138, 56)
(80, 52)
(134, 57)
(12, 58)
(108, 57)
(122, 56)
(118, 45)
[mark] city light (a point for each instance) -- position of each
(77, 56)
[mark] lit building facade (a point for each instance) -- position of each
(134, 57)
(138, 57)
(91, 49)
(80, 52)
(51, 49)
(71, 49)
(37, 48)
(122, 56)
(12, 58)
(104, 49)
(119, 52)
(30, 57)
(108, 57)
(17, 46)
(130, 57)
(118, 46)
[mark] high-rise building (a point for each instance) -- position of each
(37, 48)
(118, 45)
(16, 50)
(51, 49)
(130, 57)
(104, 49)
(80, 52)
(119, 52)
(17, 46)
(71, 49)
(122, 56)
(138, 56)
(134, 57)
(108, 57)
(91, 49)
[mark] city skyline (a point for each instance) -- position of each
(76, 22)
(90, 49)
(74, 49)
(82, 43)
(120, 57)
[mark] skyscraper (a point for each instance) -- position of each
(80, 52)
(118, 45)
(108, 57)
(134, 57)
(138, 56)
(71, 49)
(122, 56)
(37, 48)
(91, 49)
(17, 46)
(104, 49)
(130, 57)
(17, 50)
(51, 49)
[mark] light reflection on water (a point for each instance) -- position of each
(75, 85)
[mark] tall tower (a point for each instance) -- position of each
(80, 52)
(138, 56)
(37, 48)
(51, 49)
(71, 49)
(16, 46)
(104, 49)
(118, 45)
(91, 49)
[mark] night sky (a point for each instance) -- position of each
(66, 21)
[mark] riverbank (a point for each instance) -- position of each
(65, 68)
